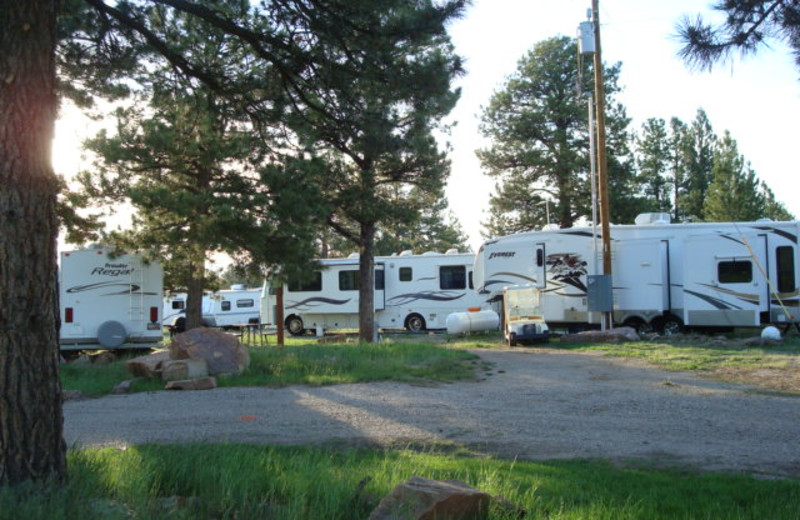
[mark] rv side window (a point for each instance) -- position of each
(348, 280)
(240, 304)
(177, 305)
(380, 281)
(452, 277)
(312, 284)
(225, 305)
(786, 280)
(734, 271)
(471, 285)
(406, 274)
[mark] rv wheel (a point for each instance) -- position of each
(415, 323)
(670, 326)
(512, 339)
(180, 325)
(294, 325)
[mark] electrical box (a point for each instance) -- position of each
(599, 295)
(586, 38)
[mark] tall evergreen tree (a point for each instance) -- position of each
(679, 151)
(734, 193)
(700, 161)
(538, 128)
(195, 175)
(653, 162)
(380, 141)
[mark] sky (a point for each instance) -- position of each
(756, 98)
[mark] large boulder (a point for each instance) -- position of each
(617, 335)
(148, 366)
(423, 499)
(223, 353)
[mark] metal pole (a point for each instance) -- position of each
(602, 162)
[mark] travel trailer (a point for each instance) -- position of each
(664, 276)
(415, 292)
(235, 306)
(108, 300)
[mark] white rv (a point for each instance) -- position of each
(235, 306)
(415, 292)
(109, 301)
(664, 276)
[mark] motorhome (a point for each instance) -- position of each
(109, 300)
(664, 276)
(226, 308)
(415, 292)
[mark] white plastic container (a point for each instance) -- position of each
(473, 321)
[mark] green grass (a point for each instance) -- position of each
(306, 362)
(698, 355)
(244, 481)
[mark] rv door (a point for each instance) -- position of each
(540, 266)
(380, 287)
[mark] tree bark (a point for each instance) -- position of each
(194, 291)
(366, 290)
(31, 421)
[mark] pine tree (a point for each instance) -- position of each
(748, 25)
(538, 128)
(653, 163)
(734, 194)
(698, 178)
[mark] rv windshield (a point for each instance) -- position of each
(522, 302)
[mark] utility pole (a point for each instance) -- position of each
(602, 161)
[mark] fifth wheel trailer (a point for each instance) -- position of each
(664, 276)
(109, 300)
(415, 292)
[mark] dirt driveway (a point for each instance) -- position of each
(536, 404)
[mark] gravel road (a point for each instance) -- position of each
(536, 404)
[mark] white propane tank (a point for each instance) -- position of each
(473, 321)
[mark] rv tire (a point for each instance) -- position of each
(415, 323)
(669, 326)
(294, 324)
(512, 339)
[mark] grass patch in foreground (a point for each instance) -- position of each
(296, 483)
(307, 363)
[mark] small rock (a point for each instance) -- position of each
(202, 383)
(72, 395)
(124, 387)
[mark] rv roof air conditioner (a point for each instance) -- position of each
(353, 255)
(407, 252)
(649, 219)
(452, 251)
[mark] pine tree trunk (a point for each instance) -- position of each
(194, 296)
(366, 291)
(31, 421)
